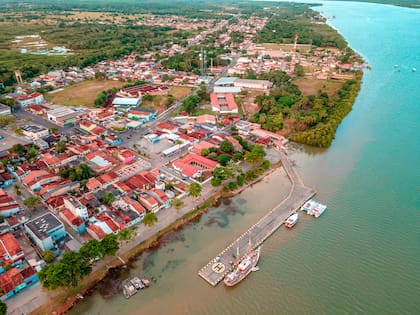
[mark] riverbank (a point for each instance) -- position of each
(65, 299)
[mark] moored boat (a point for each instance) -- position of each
(314, 208)
(137, 283)
(292, 220)
(244, 268)
(128, 289)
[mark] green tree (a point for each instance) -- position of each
(150, 218)
(48, 255)
(60, 147)
(18, 149)
(110, 244)
(237, 156)
(256, 155)
(67, 272)
(177, 203)
(223, 159)
(53, 129)
(92, 250)
(108, 198)
(216, 181)
(3, 308)
(32, 202)
(32, 153)
(194, 189)
(226, 146)
(6, 119)
(240, 180)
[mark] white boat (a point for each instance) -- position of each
(292, 220)
(414, 69)
(314, 208)
(309, 205)
(318, 210)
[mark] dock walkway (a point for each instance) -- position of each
(214, 271)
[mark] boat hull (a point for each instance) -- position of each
(238, 274)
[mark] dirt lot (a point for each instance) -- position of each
(179, 92)
(286, 47)
(250, 108)
(81, 94)
(310, 86)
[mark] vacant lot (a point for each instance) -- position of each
(286, 47)
(310, 86)
(81, 94)
(179, 92)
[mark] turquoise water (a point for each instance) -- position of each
(363, 255)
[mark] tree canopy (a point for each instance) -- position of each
(150, 218)
(194, 189)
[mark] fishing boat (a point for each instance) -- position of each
(414, 69)
(137, 283)
(128, 289)
(244, 268)
(292, 220)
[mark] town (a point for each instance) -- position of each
(164, 139)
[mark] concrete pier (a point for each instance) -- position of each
(214, 271)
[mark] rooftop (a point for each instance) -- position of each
(42, 225)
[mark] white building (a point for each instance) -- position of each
(34, 131)
(34, 98)
(5, 110)
(76, 207)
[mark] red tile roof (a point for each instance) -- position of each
(9, 247)
(10, 280)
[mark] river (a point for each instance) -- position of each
(363, 254)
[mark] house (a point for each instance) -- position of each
(141, 114)
(93, 184)
(34, 98)
(87, 126)
(6, 180)
(149, 202)
(13, 281)
(34, 131)
(10, 251)
(127, 204)
(75, 222)
(45, 230)
(5, 110)
(37, 109)
(126, 156)
(101, 225)
(166, 127)
(76, 207)
(160, 196)
(8, 206)
(223, 103)
(192, 165)
(199, 146)
(112, 140)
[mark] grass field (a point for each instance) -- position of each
(179, 92)
(310, 86)
(81, 94)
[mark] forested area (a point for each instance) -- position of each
(309, 119)
(299, 19)
(91, 43)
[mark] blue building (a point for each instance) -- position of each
(5, 180)
(45, 230)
